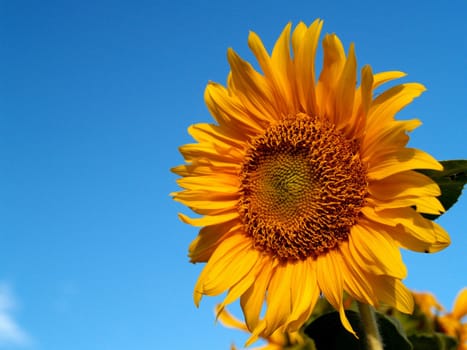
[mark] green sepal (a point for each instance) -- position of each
(328, 333)
(432, 341)
(306, 344)
(451, 181)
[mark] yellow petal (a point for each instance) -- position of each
(228, 320)
(460, 306)
(252, 300)
(410, 229)
(404, 184)
(229, 112)
(276, 68)
(386, 136)
(203, 150)
(206, 167)
(214, 134)
(212, 183)
(209, 238)
(402, 160)
(366, 89)
(281, 59)
(331, 283)
(278, 298)
(376, 251)
(230, 262)
(334, 61)
(251, 88)
(357, 282)
(384, 77)
(386, 105)
(208, 220)
(304, 44)
(428, 205)
(298, 37)
(345, 90)
(202, 196)
(207, 203)
(236, 291)
(256, 333)
(355, 127)
(304, 293)
(392, 292)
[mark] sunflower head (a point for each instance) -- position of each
(304, 184)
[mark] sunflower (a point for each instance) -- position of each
(305, 186)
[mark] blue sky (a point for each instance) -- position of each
(95, 98)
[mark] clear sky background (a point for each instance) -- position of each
(95, 98)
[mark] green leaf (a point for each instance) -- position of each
(432, 341)
(451, 180)
(328, 333)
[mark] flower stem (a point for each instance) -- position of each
(370, 327)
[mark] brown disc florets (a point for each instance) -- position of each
(302, 188)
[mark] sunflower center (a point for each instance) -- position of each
(303, 186)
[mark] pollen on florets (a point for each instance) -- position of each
(302, 188)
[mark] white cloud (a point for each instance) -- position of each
(11, 334)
